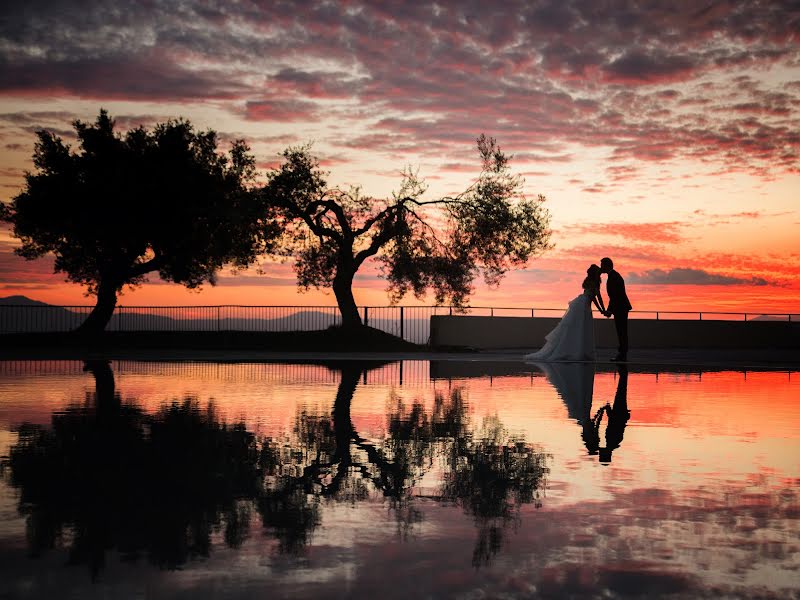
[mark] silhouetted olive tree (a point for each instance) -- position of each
(440, 245)
(161, 200)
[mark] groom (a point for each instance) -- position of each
(618, 305)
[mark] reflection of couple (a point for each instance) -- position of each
(574, 383)
(573, 337)
(617, 418)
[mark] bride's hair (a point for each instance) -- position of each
(592, 277)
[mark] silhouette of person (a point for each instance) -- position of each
(618, 305)
(591, 431)
(574, 383)
(618, 416)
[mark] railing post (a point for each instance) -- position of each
(701, 316)
(402, 325)
(531, 313)
(745, 316)
(451, 311)
(219, 321)
(491, 312)
(657, 316)
(366, 316)
(119, 318)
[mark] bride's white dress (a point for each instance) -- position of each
(573, 337)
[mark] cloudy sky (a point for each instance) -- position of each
(663, 134)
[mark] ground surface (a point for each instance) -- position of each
(302, 348)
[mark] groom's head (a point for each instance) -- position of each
(606, 265)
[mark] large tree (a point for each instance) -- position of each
(161, 200)
(440, 245)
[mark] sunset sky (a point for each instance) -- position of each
(663, 134)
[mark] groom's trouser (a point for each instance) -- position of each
(621, 323)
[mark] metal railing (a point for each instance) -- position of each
(411, 323)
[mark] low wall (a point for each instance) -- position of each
(529, 332)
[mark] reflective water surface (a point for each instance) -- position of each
(396, 480)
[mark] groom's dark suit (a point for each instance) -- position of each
(619, 306)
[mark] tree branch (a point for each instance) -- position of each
(374, 219)
(337, 210)
(310, 217)
(138, 269)
(380, 240)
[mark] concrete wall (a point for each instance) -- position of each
(528, 332)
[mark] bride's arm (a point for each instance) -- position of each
(598, 301)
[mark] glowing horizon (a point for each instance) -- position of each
(664, 138)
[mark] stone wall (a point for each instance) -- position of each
(529, 332)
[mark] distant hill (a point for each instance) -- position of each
(20, 314)
(20, 301)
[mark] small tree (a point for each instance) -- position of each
(441, 245)
(160, 201)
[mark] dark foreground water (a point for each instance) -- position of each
(400, 480)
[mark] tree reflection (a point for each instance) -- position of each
(325, 459)
(106, 475)
(489, 473)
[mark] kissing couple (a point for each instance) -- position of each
(573, 337)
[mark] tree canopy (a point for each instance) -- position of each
(440, 245)
(122, 206)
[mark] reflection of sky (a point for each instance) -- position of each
(701, 495)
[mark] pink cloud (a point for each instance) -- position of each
(281, 110)
(664, 232)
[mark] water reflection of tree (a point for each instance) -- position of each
(107, 475)
(325, 459)
(487, 472)
(491, 475)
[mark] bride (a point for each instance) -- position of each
(573, 337)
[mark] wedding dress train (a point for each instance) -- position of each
(573, 337)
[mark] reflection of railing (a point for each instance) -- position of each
(408, 322)
(416, 373)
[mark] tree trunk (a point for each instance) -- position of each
(103, 379)
(342, 422)
(343, 426)
(101, 313)
(343, 290)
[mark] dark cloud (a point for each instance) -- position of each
(318, 84)
(131, 78)
(637, 66)
(550, 71)
(683, 276)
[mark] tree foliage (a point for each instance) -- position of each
(122, 206)
(441, 245)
